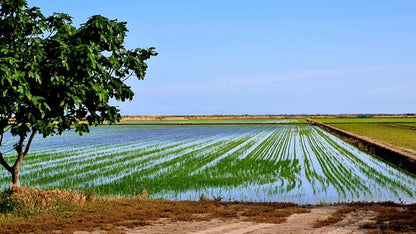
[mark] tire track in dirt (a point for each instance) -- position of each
(296, 223)
(235, 228)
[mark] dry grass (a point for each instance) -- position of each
(33, 197)
(398, 219)
(47, 211)
(31, 210)
(390, 217)
(335, 217)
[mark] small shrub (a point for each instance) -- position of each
(218, 199)
(203, 198)
(26, 201)
(89, 194)
(7, 203)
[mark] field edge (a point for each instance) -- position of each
(399, 157)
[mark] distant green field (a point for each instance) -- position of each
(218, 121)
(366, 120)
(402, 135)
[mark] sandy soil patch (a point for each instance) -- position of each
(296, 223)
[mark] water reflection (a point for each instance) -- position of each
(300, 164)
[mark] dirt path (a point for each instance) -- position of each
(297, 223)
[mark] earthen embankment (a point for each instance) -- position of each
(402, 158)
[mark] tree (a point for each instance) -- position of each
(55, 76)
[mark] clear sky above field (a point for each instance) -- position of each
(265, 56)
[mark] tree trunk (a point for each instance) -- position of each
(14, 170)
(15, 178)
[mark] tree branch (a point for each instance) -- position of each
(19, 147)
(127, 77)
(29, 142)
(1, 137)
(4, 163)
(19, 150)
(51, 31)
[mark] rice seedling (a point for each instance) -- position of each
(284, 163)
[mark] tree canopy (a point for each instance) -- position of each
(55, 76)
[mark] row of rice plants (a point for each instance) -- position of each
(353, 174)
(301, 164)
(184, 171)
(68, 164)
(162, 161)
(313, 167)
(293, 163)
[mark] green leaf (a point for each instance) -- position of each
(54, 75)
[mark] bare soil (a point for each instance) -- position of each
(296, 223)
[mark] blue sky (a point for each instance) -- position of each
(265, 56)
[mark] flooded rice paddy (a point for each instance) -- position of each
(285, 163)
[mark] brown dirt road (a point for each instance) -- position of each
(296, 223)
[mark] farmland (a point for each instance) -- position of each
(367, 120)
(399, 132)
(400, 135)
(285, 163)
(215, 121)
